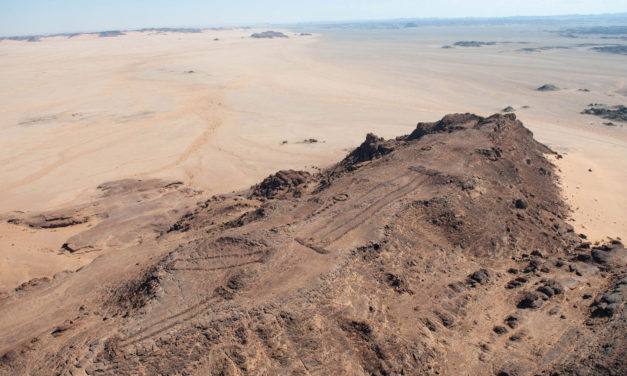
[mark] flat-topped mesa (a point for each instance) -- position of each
(448, 124)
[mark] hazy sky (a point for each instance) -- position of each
(18, 17)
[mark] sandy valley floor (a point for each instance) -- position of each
(214, 113)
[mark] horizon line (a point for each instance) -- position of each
(195, 29)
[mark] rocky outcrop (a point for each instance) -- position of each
(548, 87)
(448, 124)
(618, 113)
(269, 35)
(372, 148)
(283, 183)
(446, 251)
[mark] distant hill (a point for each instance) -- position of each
(269, 34)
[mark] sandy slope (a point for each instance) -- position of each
(80, 111)
(28, 254)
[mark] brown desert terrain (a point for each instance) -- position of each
(443, 251)
(172, 202)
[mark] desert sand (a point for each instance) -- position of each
(28, 254)
(77, 112)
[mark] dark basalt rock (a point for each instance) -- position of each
(372, 148)
(531, 300)
(512, 321)
(521, 204)
(609, 303)
(516, 283)
(617, 113)
(548, 87)
(481, 277)
(551, 288)
(282, 183)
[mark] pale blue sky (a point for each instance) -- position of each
(20, 17)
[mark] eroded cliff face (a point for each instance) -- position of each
(445, 251)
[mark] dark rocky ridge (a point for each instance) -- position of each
(473, 43)
(281, 184)
(618, 113)
(269, 35)
(619, 49)
(443, 251)
(110, 33)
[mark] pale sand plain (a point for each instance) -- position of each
(214, 113)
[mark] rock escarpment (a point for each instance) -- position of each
(444, 251)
